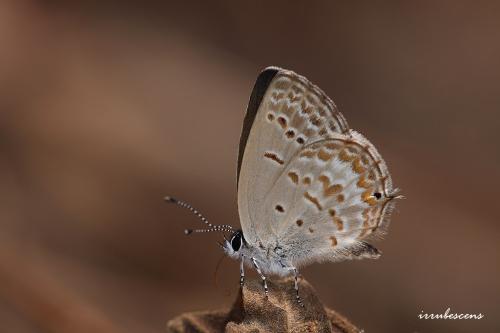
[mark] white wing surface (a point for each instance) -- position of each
(285, 113)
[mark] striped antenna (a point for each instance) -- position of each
(212, 227)
(190, 231)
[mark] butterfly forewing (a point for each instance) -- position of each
(284, 115)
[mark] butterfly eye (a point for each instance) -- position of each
(377, 195)
(236, 242)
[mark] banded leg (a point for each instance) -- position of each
(296, 276)
(264, 282)
(242, 271)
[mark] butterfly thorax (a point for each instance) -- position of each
(271, 257)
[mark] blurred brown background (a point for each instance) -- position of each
(105, 108)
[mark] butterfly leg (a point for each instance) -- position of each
(296, 276)
(264, 282)
(242, 271)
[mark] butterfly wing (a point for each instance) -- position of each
(334, 195)
(285, 114)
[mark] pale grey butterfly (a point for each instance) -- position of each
(309, 188)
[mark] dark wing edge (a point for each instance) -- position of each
(259, 90)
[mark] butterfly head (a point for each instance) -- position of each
(233, 246)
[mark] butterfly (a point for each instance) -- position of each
(310, 189)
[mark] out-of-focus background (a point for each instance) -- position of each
(105, 107)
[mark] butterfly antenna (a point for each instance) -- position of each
(216, 228)
(211, 227)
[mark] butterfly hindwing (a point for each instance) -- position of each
(333, 194)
